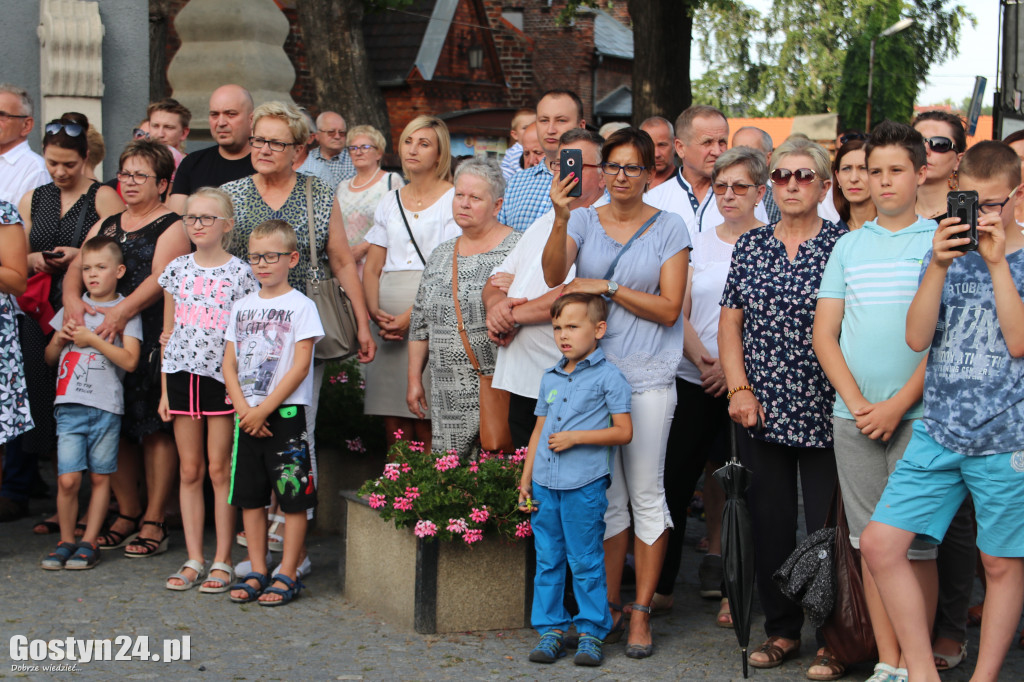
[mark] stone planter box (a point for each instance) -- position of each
(432, 587)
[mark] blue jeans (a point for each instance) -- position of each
(87, 438)
(569, 525)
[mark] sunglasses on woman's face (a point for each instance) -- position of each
(72, 129)
(940, 145)
(804, 176)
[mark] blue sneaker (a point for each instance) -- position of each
(549, 649)
(588, 652)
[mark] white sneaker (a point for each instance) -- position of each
(883, 673)
(244, 568)
(305, 568)
(901, 675)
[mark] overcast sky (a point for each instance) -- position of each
(955, 78)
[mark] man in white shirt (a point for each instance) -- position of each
(702, 135)
(21, 169)
(519, 321)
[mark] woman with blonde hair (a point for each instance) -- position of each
(408, 225)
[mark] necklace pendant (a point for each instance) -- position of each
(124, 236)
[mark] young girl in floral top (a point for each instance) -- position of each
(200, 289)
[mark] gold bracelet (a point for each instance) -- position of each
(744, 387)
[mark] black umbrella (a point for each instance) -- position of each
(737, 545)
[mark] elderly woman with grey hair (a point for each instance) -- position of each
(776, 388)
(434, 330)
(700, 426)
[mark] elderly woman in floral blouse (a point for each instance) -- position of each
(777, 389)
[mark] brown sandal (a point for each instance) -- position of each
(724, 617)
(824, 659)
(776, 654)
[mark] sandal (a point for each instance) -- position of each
(224, 584)
(56, 559)
(198, 566)
(618, 627)
(641, 650)
(252, 593)
(974, 615)
(825, 659)
(275, 541)
(724, 617)
(944, 662)
(46, 527)
(150, 546)
(293, 587)
(113, 539)
(776, 654)
(87, 556)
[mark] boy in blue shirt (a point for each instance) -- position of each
(582, 414)
(859, 328)
(968, 311)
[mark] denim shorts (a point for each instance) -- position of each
(87, 439)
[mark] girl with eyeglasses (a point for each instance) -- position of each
(199, 290)
(777, 390)
(945, 141)
(358, 197)
(150, 236)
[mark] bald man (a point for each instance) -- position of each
(231, 108)
(330, 161)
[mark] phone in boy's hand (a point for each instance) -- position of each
(571, 161)
(963, 204)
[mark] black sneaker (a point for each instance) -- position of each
(710, 575)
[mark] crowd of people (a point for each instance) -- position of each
(677, 291)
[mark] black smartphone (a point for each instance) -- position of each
(53, 254)
(571, 161)
(963, 204)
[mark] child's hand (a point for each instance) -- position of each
(253, 422)
(945, 239)
(879, 420)
(84, 337)
(66, 334)
(164, 409)
(561, 441)
(526, 504)
(165, 337)
(991, 238)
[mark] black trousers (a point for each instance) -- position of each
(521, 419)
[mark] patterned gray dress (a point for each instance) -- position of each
(455, 389)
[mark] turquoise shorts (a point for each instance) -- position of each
(931, 482)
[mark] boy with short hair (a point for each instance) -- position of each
(859, 331)
(523, 119)
(89, 403)
(268, 363)
(968, 311)
(582, 414)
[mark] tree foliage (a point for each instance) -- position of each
(812, 57)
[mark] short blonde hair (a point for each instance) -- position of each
(801, 146)
(444, 142)
(369, 131)
(297, 122)
(282, 229)
(227, 208)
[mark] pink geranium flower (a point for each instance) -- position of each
(377, 501)
(391, 471)
(524, 530)
(425, 528)
(479, 515)
(457, 526)
(412, 492)
(473, 535)
(403, 504)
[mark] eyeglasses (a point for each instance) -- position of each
(204, 220)
(631, 170)
(275, 145)
(4, 114)
(133, 178)
(804, 176)
(140, 134)
(739, 189)
(352, 149)
(849, 137)
(333, 133)
(997, 207)
(72, 129)
(270, 257)
(557, 164)
(940, 145)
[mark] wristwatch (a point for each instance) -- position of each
(612, 288)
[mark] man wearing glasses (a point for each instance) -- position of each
(21, 169)
(330, 161)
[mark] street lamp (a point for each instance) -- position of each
(895, 28)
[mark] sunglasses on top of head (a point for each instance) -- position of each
(940, 145)
(804, 176)
(55, 126)
(850, 137)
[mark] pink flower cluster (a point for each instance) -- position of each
(457, 526)
(406, 468)
(355, 444)
(339, 378)
(480, 515)
(473, 535)
(391, 471)
(377, 501)
(412, 492)
(474, 467)
(403, 504)
(416, 446)
(524, 530)
(425, 528)
(446, 462)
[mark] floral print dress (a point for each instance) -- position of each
(15, 418)
(778, 297)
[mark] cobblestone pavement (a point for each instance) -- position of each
(321, 637)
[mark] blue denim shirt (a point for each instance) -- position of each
(581, 401)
